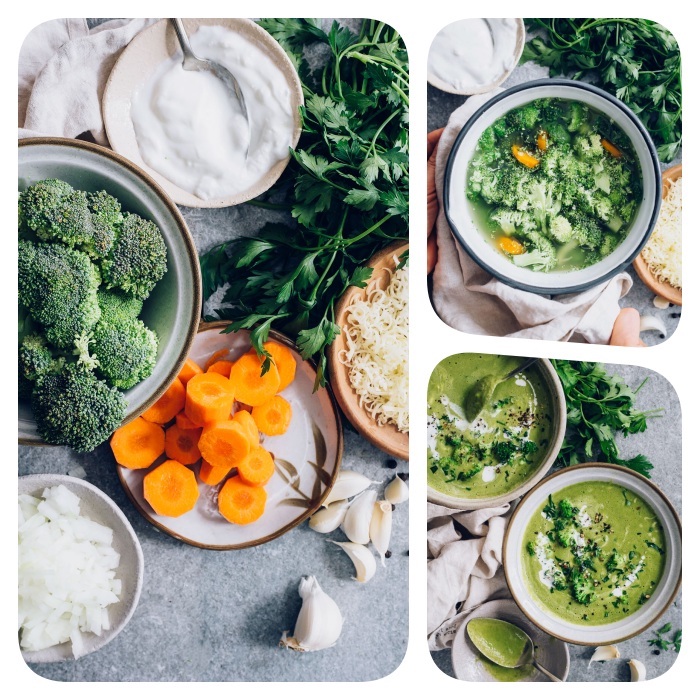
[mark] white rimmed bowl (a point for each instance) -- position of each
(462, 219)
(97, 506)
(666, 589)
(173, 308)
(556, 392)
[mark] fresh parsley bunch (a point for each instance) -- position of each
(346, 187)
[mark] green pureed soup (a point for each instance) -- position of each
(554, 185)
(593, 553)
(504, 445)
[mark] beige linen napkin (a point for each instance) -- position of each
(63, 69)
(470, 300)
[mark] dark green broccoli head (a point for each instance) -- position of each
(56, 212)
(582, 587)
(73, 407)
(59, 288)
(106, 214)
(615, 562)
(126, 351)
(35, 358)
(524, 117)
(138, 259)
(567, 536)
(567, 509)
(117, 305)
(503, 451)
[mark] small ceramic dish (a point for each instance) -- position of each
(386, 437)
(173, 308)
(662, 289)
(469, 664)
(463, 220)
(619, 630)
(307, 459)
(476, 89)
(99, 507)
(558, 399)
(141, 58)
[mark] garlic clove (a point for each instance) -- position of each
(347, 485)
(325, 520)
(359, 516)
(380, 528)
(661, 303)
(362, 558)
(604, 654)
(651, 323)
(319, 622)
(396, 491)
(638, 671)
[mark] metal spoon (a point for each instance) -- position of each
(190, 61)
(518, 638)
(480, 394)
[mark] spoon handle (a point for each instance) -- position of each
(183, 40)
(521, 367)
(549, 675)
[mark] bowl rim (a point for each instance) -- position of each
(612, 639)
(559, 403)
(192, 257)
(32, 481)
(283, 339)
(584, 87)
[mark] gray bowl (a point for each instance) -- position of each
(173, 308)
(99, 507)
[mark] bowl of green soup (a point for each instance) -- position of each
(553, 186)
(592, 554)
(495, 457)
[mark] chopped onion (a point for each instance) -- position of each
(67, 570)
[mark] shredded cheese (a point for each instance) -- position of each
(376, 336)
(663, 251)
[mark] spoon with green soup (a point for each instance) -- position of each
(479, 396)
(504, 643)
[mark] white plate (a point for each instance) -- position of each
(307, 459)
(140, 59)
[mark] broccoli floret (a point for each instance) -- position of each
(578, 115)
(567, 536)
(582, 588)
(106, 214)
(524, 117)
(503, 451)
(138, 259)
(558, 135)
(125, 350)
(541, 256)
(567, 509)
(73, 407)
(586, 231)
(487, 140)
(559, 582)
(589, 148)
(117, 305)
(608, 245)
(35, 358)
(615, 562)
(542, 202)
(56, 212)
(500, 127)
(560, 229)
(510, 220)
(531, 548)
(528, 447)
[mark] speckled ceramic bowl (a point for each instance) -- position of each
(172, 310)
(99, 507)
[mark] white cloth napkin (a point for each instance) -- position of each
(470, 300)
(63, 69)
(464, 570)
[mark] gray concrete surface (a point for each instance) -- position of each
(662, 444)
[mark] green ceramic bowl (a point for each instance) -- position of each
(173, 308)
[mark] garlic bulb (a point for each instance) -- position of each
(359, 516)
(325, 520)
(362, 558)
(396, 491)
(347, 485)
(638, 671)
(604, 654)
(380, 528)
(319, 622)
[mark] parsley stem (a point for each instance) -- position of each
(268, 205)
(381, 128)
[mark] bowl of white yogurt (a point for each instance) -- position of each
(473, 56)
(185, 128)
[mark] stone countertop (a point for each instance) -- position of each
(440, 107)
(662, 444)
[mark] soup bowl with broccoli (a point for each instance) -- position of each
(553, 186)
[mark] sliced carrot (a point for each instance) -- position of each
(613, 150)
(509, 245)
(181, 445)
(189, 369)
(274, 416)
(522, 156)
(222, 367)
(168, 405)
(225, 443)
(216, 356)
(209, 398)
(171, 489)
(212, 475)
(182, 421)
(284, 360)
(138, 444)
(257, 468)
(543, 141)
(246, 420)
(240, 503)
(249, 385)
